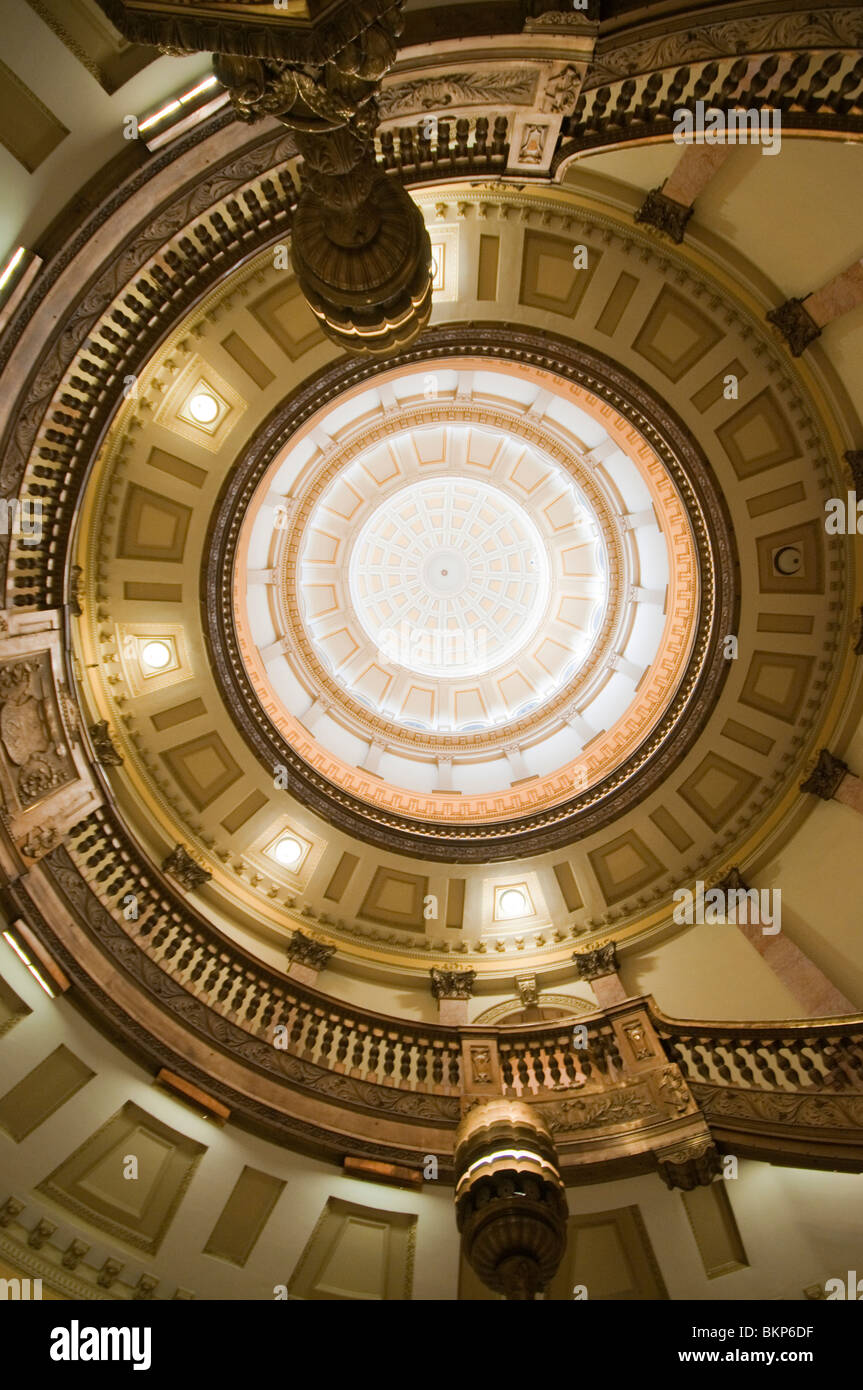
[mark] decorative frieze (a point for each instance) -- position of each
(37, 761)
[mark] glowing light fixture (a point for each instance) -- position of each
(156, 655)
(287, 851)
(11, 266)
(203, 407)
(512, 903)
(22, 954)
(177, 104)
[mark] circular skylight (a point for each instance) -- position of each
(203, 407)
(449, 577)
(156, 655)
(287, 851)
(512, 902)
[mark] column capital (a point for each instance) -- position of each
(186, 870)
(304, 950)
(854, 460)
(795, 324)
(593, 965)
(825, 778)
(733, 879)
(694, 1163)
(452, 984)
(664, 214)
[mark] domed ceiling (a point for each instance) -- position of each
(467, 606)
(467, 623)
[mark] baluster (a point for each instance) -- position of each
(359, 1049)
(297, 1026)
(311, 1037)
(810, 101)
(646, 107)
(454, 1066)
(437, 1064)
(538, 1056)
(708, 76)
(327, 1041)
(500, 140)
(344, 1038)
(267, 1015)
(521, 1062)
(389, 1058)
(741, 1061)
(506, 1066)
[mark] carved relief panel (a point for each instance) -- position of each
(36, 757)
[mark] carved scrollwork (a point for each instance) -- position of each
(631, 1106)
(452, 984)
(593, 965)
(306, 951)
(31, 731)
(825, 778)
(186, 870)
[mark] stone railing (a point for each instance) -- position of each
(103, 373)
(625, 1089)
(813, 91)
(475, 146)
(787, 1092)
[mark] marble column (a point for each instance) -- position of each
(599, 967)
(800, 321)
(831, 780)
(669, 207)
(453, 990)
(307, 958)
(818, 997)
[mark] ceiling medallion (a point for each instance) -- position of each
(490, 613)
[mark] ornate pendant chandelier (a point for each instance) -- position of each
(360, 249)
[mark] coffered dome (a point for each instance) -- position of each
(469, 571)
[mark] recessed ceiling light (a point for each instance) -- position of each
(203, 407)
(287, 851)
(156, 655)
(512, 902)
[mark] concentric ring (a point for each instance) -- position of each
(693, 693)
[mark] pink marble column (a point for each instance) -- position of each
(307, 958)
(801, 320)
(669, 207)
(831, 780)
(599, 968)
(453, 990)
(817, 996)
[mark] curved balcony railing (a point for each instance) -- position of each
(790, 1090)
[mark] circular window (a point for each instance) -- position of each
(156, 655)
(203, 407)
